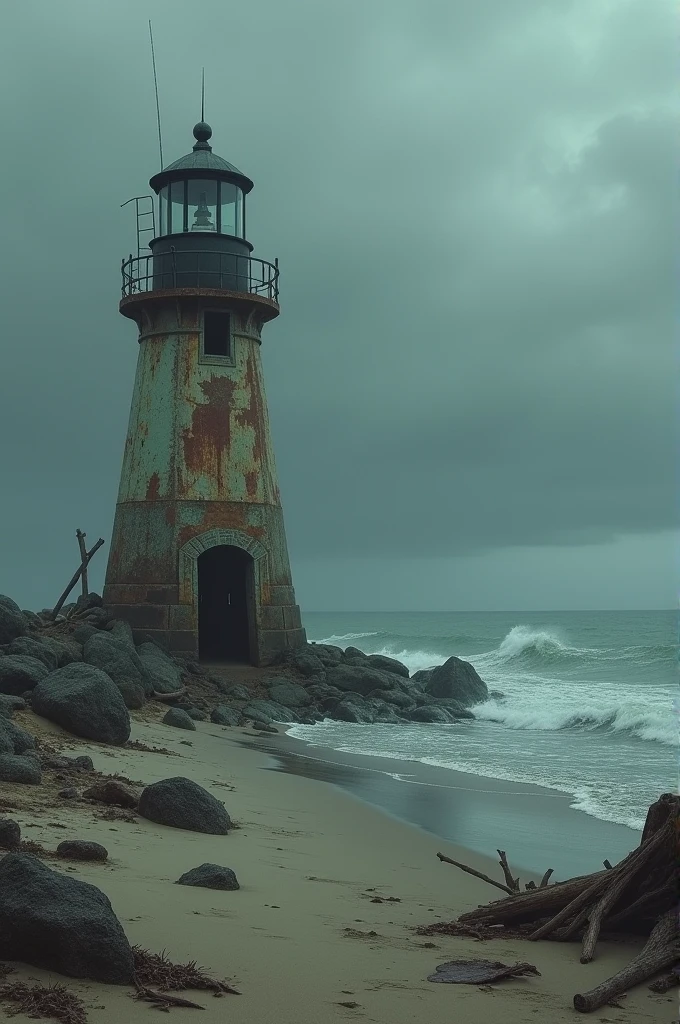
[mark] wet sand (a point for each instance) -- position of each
(535, 826)
(302, 938)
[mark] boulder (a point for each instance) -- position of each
(322, 691)
(59, 923)
(58, 762)
(13, 622)
(457, 679)
(430, 713)
(70, 793)
(84, 700)
(210, 876)
(393, 697)
(112, 792)
(196, 713)
(326, 653)
(67, 651)
(454, 707)
(290, 694)
(264, 727)
(236, 690)
(81, 849)
(380, 661)
(164, 674)
(10, 834)
(83, 633)
(14, 768)
(351, 709)
(119, 660)
(98, 617)
(309, 716)
(32, 648)
(179, 719)
(421, 678)
(19, 673)
(360, 679)
(10, 703)
(181, 803)
(306, 664)
(224, 715)
(87, 601)
(13, 739)
(121, 630)
(34, 621)
(268, 711)
(255, 715)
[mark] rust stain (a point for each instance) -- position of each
(253, 415)
(171, 514)
(209, 437)
(153, 488)
(251, 483)
(221, 515)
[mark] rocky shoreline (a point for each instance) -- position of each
(84, 671)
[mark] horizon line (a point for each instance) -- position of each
(477, 611)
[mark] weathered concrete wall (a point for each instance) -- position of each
(198, 460)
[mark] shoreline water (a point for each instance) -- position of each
(536, 826)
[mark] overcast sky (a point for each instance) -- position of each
(472, 385)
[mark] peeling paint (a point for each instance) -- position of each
(198, 458)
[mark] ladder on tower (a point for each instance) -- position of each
(144, 208)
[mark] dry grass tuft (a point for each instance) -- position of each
(138, 745)
(477, 931)
(113, 813)
(155, 969)
(31, 846)
(40, 1001)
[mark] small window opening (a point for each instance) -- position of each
(216, 333)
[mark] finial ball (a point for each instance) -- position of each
(202, 131)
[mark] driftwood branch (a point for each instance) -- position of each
(76, 576)
(477, 874)
(546, 878)
(83, 559)
(661, 951)
(609, 880)
(162, 999)
(167, 697)
(614, 891)
(640, 893)
(512, 883)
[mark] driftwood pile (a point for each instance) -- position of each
(639, 895)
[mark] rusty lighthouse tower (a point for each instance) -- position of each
(198, 555)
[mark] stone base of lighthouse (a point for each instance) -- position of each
(216, 579)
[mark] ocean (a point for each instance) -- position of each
(589, 705)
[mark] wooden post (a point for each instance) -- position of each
(76, 576)
(83, 559)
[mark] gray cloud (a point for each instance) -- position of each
(473, 209)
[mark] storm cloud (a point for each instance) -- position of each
(473, 205)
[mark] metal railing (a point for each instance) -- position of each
(200, 268)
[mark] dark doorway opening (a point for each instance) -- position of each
(225, 605)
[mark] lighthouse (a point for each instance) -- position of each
(198, 558)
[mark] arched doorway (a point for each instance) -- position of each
(226, 606)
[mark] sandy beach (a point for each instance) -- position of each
(301, 940)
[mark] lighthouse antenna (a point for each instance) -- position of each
(202, 94)
(155, 83)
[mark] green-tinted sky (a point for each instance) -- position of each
(472, 385)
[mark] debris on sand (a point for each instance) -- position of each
(54, 1002)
